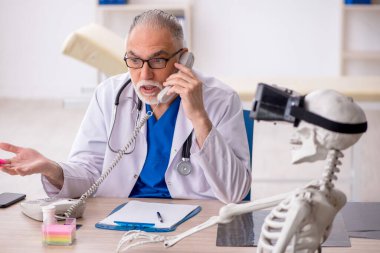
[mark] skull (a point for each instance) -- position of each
(311, 143)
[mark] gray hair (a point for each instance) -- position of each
(160, 19)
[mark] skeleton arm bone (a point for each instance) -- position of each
(226, 215)
(135, 238)
(227, 212)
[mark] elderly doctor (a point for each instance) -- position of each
(204, 118)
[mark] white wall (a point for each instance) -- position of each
(31, 35)
(233, 38)
(266, 38)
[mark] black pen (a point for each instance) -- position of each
(160, 217)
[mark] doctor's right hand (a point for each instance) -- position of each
(29, 161)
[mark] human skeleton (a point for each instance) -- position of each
(300, 220)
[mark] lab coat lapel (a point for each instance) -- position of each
(130, 94)
(183, 128)
(126, 123)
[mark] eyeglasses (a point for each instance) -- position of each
(153, 63)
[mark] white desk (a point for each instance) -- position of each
(21, 234)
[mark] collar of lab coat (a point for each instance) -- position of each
(183, 126)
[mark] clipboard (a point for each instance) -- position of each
(138, 215)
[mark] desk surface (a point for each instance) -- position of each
(22, 234)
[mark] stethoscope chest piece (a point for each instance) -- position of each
(184, 167)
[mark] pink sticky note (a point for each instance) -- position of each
(57, 234)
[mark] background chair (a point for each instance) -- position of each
(249, 130)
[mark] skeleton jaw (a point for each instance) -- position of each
(305, 146)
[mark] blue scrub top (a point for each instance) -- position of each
(151, 182)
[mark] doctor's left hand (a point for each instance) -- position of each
(29, 161)
(189, 87)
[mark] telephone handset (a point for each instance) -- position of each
(186, 59)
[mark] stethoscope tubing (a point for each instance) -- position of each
(186, 146)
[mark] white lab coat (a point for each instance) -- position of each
(220, 167)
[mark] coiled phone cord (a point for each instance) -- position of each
(116, 160)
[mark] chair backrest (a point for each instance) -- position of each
(249, 130)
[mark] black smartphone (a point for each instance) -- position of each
(9, 198)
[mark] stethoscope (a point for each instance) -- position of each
(184, 167)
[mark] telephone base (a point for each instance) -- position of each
(33, 208)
